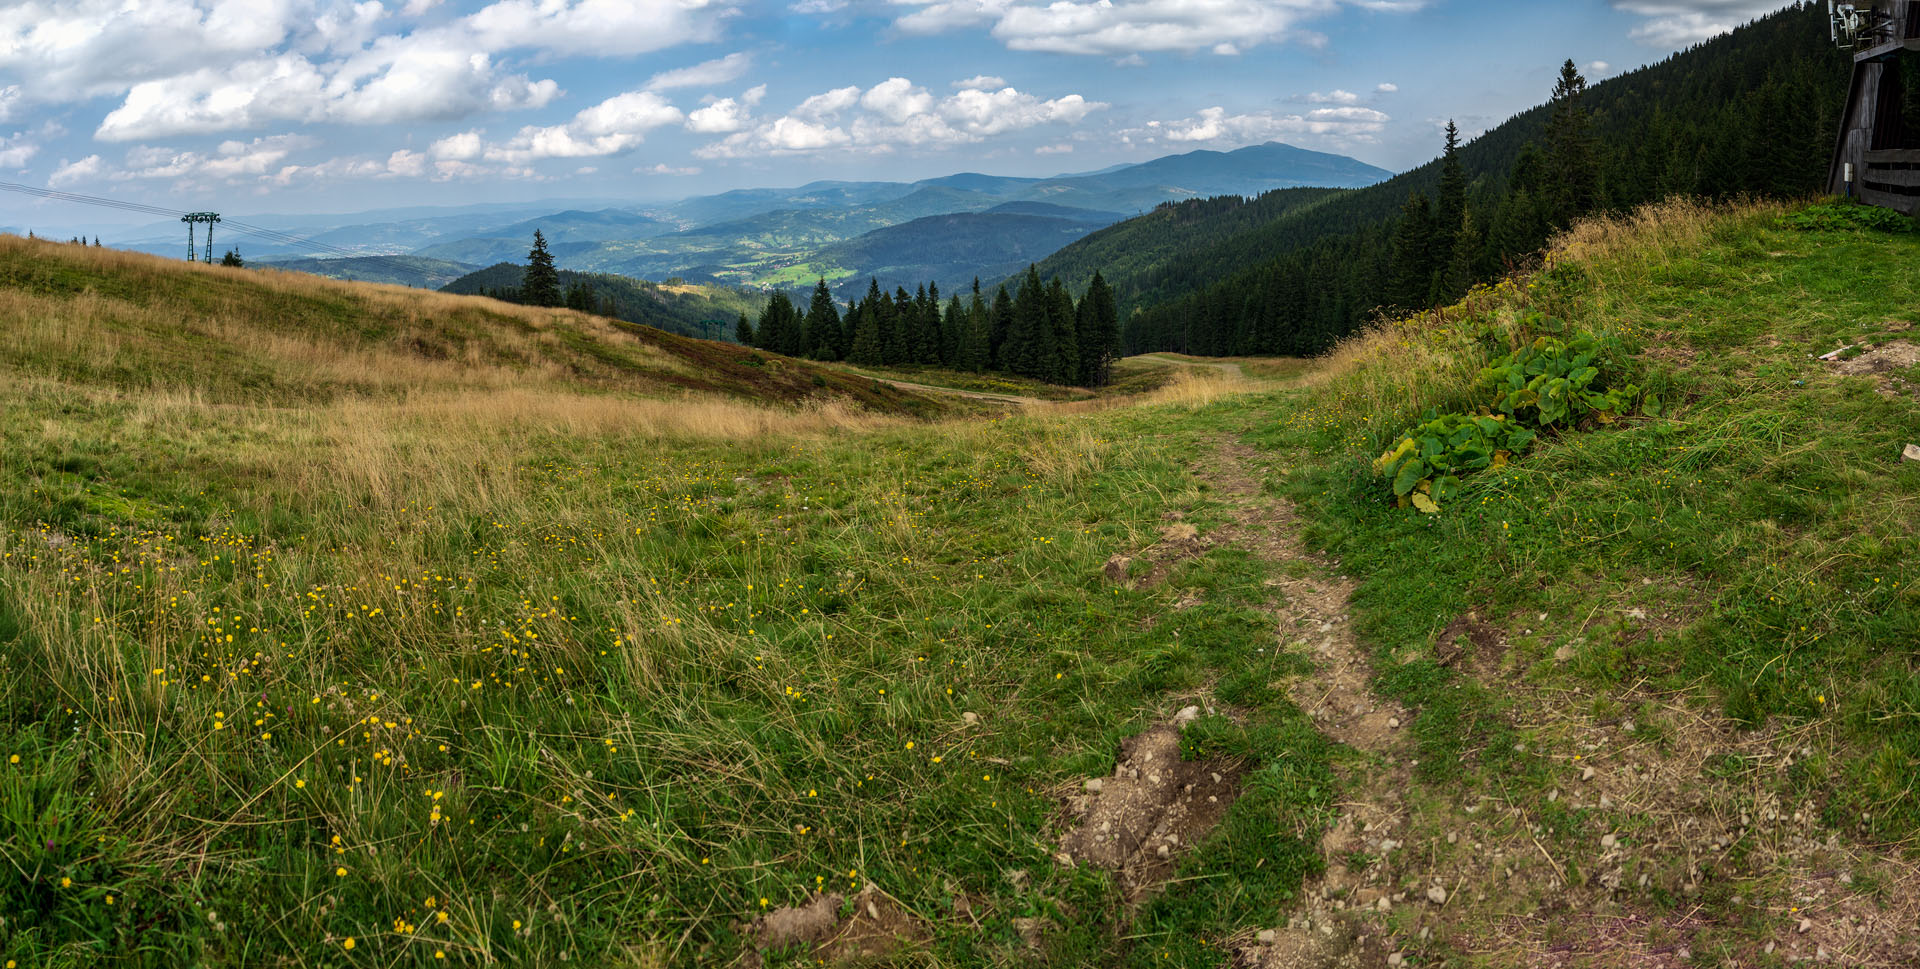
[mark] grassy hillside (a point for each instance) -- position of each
(521, 684)
(689, 309)
(398, 270)
(132, 323)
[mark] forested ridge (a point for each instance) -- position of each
(1751, 112)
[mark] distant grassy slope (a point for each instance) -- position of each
(398, 270)
(108, 319)
(704, 310)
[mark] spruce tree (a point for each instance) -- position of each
(1000, 330)
(541, 285)
(976, 346)
(1412, 255)
(823, 319)
(1027, 350)
(953, 329)
(1099, 326)
(743, 331)
(864, 321)
(1064, 359)
(1573, 170)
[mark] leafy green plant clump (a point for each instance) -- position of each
(1547, 383)
(1844, 214)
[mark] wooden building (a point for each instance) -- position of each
(1879, 143)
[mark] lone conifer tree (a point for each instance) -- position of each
(1573, 171)
(743, 331)
(541, 286)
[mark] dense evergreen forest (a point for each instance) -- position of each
(1751, 112)
(1040, 331)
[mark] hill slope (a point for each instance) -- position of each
(101, 318)
(1747, 112)
(418, 271)
(704, 311)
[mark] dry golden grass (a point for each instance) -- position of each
(1200, 386)
(1400, 366)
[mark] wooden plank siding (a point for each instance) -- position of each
(1880, 143)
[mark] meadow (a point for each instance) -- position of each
(319, 646)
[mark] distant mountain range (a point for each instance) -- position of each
(950, 228)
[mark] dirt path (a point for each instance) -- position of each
(1418, 872)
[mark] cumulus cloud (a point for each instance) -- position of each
(1597, 68)
(1673, 24)
(1128, 27)
(615, 125)
(1340, 125)
(86, 169)
(203, 66)
(720, 117)
(464, 146)
(1336, 96)
(705, 74)
(896, 114)
(1387, 88)
(17, 149)
(981, 82)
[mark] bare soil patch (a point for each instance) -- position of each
(876, 930)
(1154, 806)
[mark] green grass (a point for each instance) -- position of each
(1762, 522)
(595, 692)
(593, 696)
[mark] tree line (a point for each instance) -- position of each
(1039, 331)
(1750, 113)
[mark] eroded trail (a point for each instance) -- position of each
(1419, 873)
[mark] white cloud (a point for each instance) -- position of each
(1341, 126)
(706, 74)
(1388, 88)
(665, 169)
(826, 107)
(204, 66)
(1336, 96)
(16, 151)
(1126, 28)
(406, 163)
(613, 126)
(1596, 68)
(981, 82)
(9, 97)
(464, 146)
(897, 99)
(1062, 148)
(896, 114)
(86, 169)
(720, 117)
(1673, 24)
(231, 160)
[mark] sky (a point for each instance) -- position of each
(345, 105)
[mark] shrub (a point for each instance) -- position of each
(1845, 214)
(1547, 383)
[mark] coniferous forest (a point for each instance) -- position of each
(1039, 330)
(1749, 113)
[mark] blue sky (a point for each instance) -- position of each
(338, 105)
